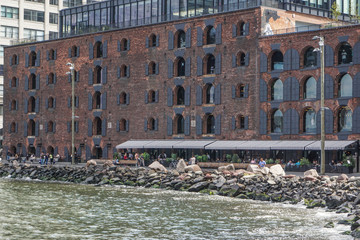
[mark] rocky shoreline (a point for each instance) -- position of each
(340, 194)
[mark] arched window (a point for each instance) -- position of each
(50, 126)
(210, 35)
(124, 71)
(13, 105)
(240, 59)
(152, 68)
(277, 61)
(97, 152)
(152, 40)
(310, 88)
(31, 128)
(277, 90)
(124, 45)
(345, 119)
(50, 150)
(98, 71)
(277, 122)
(31, 104)
(97, 100)
(74, 50)
(210, 124)
(13, 82)
(97, 126)
(13, 127)
(241, 27)
(51, 102)
(240, 123)
(122, 124)
(180, 67)
(310, 58)
(181, 39)
(98, 50)
(345, 53)
(32, 59)
(51, 78)
(152, 96)
(180, 96)
(32, 82)
(209, 94)
(76, 75)
(151, 124)
(52, 54)
(14, 60)
(240, 91)
(180, 124)
(345, 86)
(210, 64)
(309, 121)
(123, 97)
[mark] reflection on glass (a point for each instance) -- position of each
(277, 122)
(277, 90)
(310, 121)
(345, 87)
(345, 120)
(310, 88)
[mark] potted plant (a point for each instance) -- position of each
(146, 158)
(304, 164)
(269, 161)
(228, 157)
(235, 158)
(348, 165)
(204, 158)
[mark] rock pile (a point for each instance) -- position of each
(340, 194)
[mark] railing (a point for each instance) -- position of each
(30, 40)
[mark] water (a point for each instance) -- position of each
(37, 210)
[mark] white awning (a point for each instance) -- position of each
(291, 145)
(329, 145)
(257, 145)
(133, 144)
(193, 144)
(224, 145)
(162, 143)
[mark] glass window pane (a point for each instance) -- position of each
(346, 86)
(310, 88)
(277, 90)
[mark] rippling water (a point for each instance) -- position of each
(37, 210)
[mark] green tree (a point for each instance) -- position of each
(335, 11)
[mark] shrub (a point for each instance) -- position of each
(235, 158)
(173, 155)
(116, 155)
(204, 158)
(146, 156)
(304, 161)
(277, 161)
(198, 158)
(228, 157)
(269, 161)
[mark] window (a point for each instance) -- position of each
(277, 122)
(31, 128)
(240, 123)
(122, 125)
(9, 12)
(152, 68)
(9, 32)
(277, 90)
(152, 96)
(39, 1)
(310, 88)
(309, 121)
(72, 3)
(51, 102)
(240, 59)
(310, 58)
(345, 54)
(31, 105)
(124, 71)
(13, 127)
(32, 59)
(210, 124)
(51, 78)
(151, 124)
(345, 86)
(209, 64)
(14, 60)
(1, 51)
(53, 35)
(240, 91)
(13, 105)
(152, 40)
(14, 82)
(97, 100)
(98, 50)
(97, 126)
(32, 82)
(54, 2)
(210, 35)
(345, 119)
(242, 29)
(53, 18)
(123, 98)
(51, 54)
(180, 67)
(97, 71)
(209, 94)
(124, 45)
(180, 96)
(277, 61)
(33, 34)
(74, 51)
(50, 126)
(33, 15)
(179, 124)
(181, 39)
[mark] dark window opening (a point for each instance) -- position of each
(151, 124)
(240, 122)
(210, 35)
(13, 127)
(152, 40)
(123, 98)
(74, 50)
(210, 124)
(13, 105)
(345, 54)
(181, 39)
(152, 68)
(152, 96)
(32, 82)
(98, 126)
(98, 50)
(277, 61)
(124, 71)
(97, 100)
(122, 125)
(14, 60)
(124, 45)
(51, 78)
(209, 94)
(31, 106)
(345, 119)
(31, 128)
(98, 71)
(210, 64)
(180, 96)
(51, 102)
(180, 67)
(51, 54)
(180, 124)
(277, 122)
(50, 126)
(32, 59)
(240, 59)
(13, 82)
(310, 58)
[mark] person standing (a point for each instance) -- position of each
(262, 163)
(137, 159)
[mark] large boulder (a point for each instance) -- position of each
(198, 186)
(192, 168)
(91, 163)
(157, 167)
(277, 170)
(311, 173)
(342, 178)
(255, 169)
(229, 167)
(180, 167)
(15, 164)
(334, 201)
(108, 163)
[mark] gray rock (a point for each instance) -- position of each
(180, 167)
(329, 225)
(333, 202)
(89, 180)
(198, 186)
(220, 182)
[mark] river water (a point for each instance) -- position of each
(38, 210)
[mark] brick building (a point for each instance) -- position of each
(211, 75)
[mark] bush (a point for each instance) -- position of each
(235, 158)
(146, 156)
(304, 161)
(173, 156)
(169, 160)
(228, 157)
(204, 158)
(277, 161)
(269, 161)
(198, 158)
(116, 155)
(350, 162)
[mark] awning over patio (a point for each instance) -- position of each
(224, 145)
(329, 145)
(193, 144)
(291, 145)
(162, 144)
(133, 144)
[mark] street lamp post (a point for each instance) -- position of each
(72, 73)
(322, 107)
